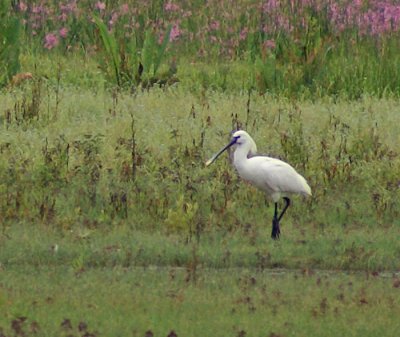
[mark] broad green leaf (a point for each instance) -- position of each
(110, 45)
(161, 49)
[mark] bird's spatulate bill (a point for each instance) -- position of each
(215, 156)
(210, 161)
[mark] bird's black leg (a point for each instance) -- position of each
(287, 200)
(275, 224)
(276, 231)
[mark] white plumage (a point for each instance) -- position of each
(273, 176)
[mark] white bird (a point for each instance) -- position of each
(273, 176)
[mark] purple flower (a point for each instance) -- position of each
(101, 6)
(171, 7)
(37, 9)
(114, 19)
(50, 41)
(213, 39)
(271, 6)
(269, 44)
(175, 33)
(214, 25)
(124, 9)
(63, 32)
(63, 17)
(70, 7)
(243, 34)
(22, 6)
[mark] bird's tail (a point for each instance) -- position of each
(306, 189)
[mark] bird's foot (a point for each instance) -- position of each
(276, 232)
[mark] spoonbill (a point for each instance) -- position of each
(273, 176)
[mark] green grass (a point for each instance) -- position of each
(230, 302)
(100, 159)
(251, 247)
(111, 225)
(109, 216)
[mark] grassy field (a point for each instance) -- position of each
(110, 223)
(161, 301)
(110, 218)
(140, 159)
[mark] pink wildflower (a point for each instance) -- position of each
(22, 6)
(101, 6)
(171, 7)
(63, 17)
(175, 33)
(269, 44)
(124, 9)
(63, 32)
(70, 7)
(50, 41)
(37, 9)
(243, 34)
(271, 6)
(214, 25)
(213, 39)
(114, 19)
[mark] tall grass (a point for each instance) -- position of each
(10, 28)
(131, 64)
(104, 193)
(111, 159)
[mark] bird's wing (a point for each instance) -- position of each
(279, 176)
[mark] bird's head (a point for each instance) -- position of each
(239, 138)
(242, 138)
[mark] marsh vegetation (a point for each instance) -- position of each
(110, 222)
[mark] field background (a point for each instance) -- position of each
(112, 226)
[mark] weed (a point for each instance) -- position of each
(10, 40)
(129, 64)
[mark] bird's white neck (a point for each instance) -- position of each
(240, 156)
